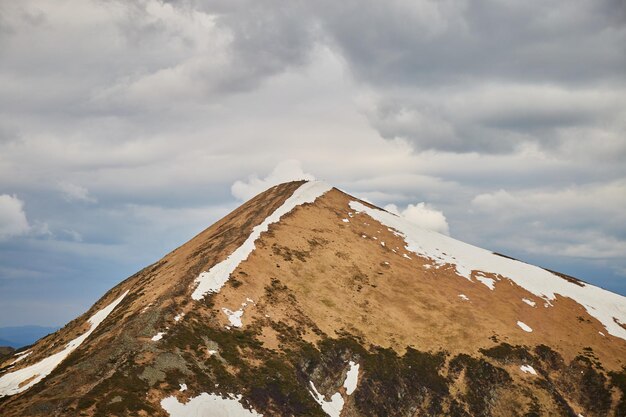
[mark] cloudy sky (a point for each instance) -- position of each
(126, 127)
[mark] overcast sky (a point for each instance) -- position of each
(126, 127)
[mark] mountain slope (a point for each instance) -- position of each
(307, 301)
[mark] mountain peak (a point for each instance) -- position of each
(308, 301)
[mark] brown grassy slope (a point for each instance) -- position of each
(347, 282)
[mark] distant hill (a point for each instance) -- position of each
(5, 350)
(19, 336)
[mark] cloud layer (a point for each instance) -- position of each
(127, 127)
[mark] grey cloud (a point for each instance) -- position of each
(499, 118)
(427, 42)
(234, 47)
(519, 72)
(269, 42)
(74, 192)
(403, 188)
(117, 58)
(594, 207)
(584, 222)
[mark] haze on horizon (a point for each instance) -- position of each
(128, 127)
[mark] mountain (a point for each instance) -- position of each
(18, 336)
(306, 301)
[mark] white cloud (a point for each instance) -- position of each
(289, 170)
(423, 215)
(13, 220)
(73, 192)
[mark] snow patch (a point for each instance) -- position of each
(157, 336)
(489, 282)
(333, 407)
(529, 302)
(179, 317)
(207, 405)
(601, 304)
(214, 279)
(21, 356)
(14, 382)
(234, 317)
(463, 297)
(345, 220)
(352, 378)
(525, 327)
(527, 369)
(183, 387)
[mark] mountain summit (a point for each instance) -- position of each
(306, 301)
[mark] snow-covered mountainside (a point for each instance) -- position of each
(306, 301)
